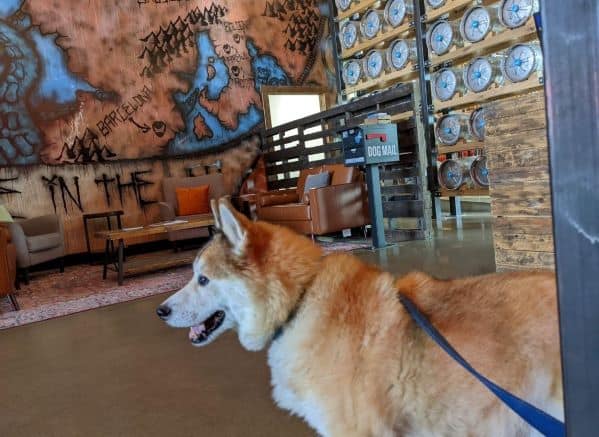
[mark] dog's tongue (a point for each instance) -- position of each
(195, 331)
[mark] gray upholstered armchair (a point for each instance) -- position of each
(38, 240)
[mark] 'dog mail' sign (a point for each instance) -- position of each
(381, 143)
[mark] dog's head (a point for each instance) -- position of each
(247, 278)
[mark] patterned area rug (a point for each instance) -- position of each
(81, 288)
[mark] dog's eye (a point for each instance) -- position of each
(203, 280)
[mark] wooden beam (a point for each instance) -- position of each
(571, 51)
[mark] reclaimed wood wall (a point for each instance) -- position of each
(518, 162)
(29, 194)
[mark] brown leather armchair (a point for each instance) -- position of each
(8, 266)
(341, 205)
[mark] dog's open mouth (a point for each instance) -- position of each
(200, 333)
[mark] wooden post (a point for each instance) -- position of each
(571, 50)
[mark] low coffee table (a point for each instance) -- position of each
(121, 235)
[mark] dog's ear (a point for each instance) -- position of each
(215, 214)
(234, 225)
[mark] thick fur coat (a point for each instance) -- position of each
(344, 353)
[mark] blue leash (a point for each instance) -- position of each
(538, 419)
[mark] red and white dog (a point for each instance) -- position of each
(346, 356)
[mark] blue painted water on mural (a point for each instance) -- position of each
(266, 69)
(187, 141)
(57, 83)
(9, 7)
(19, 138)
(36, 71)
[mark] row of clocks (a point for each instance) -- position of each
(477, 22)
(516, 64)
(472, 172)
(450, 128)
(510, 9)
(373, 21)
(396, 57)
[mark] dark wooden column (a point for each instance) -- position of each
(571, 48)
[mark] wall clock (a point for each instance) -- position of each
(481, 73)
(396, 12)
(450, 128)
(479, 171)
(477, 124)
(521, 61)
(373, 64)
(514, 13)
(447, 84)
(371, 24)
(352, 72)
(399, 53)
(441, 36)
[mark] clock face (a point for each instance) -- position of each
(398, 54)
(476, 24)
(371, 24)
(480, 172)
(395, 12)
(440, 37)
(515, 13)
(451, 175)
(435, 3)
(520, 62)
(445, 85)
(352, 72)
(448, 130)
(479, 75)
(349, 34)
(374, 64)
(477, 124)
(343, 4)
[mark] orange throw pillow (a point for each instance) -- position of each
(194, 200)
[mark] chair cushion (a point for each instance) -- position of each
(318, 180)
(215, 180)
(301, 181)
(289, 211)
(193, 200)
(38, 243)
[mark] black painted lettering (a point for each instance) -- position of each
(104, 130)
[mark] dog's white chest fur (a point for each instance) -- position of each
(298, 400)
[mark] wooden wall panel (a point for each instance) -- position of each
(516, 145)
(35, 199)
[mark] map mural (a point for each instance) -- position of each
(107, 80)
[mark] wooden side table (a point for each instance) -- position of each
(100, 215)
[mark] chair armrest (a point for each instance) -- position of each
(7, 266)
(167, 212)
(338, 207)
(277, 197)
(20, 241)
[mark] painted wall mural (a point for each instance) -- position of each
(132, 186)
(109, 80)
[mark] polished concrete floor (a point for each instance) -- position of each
(119, 371)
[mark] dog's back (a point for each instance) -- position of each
(353, 352)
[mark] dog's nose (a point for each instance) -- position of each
(163, 312)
